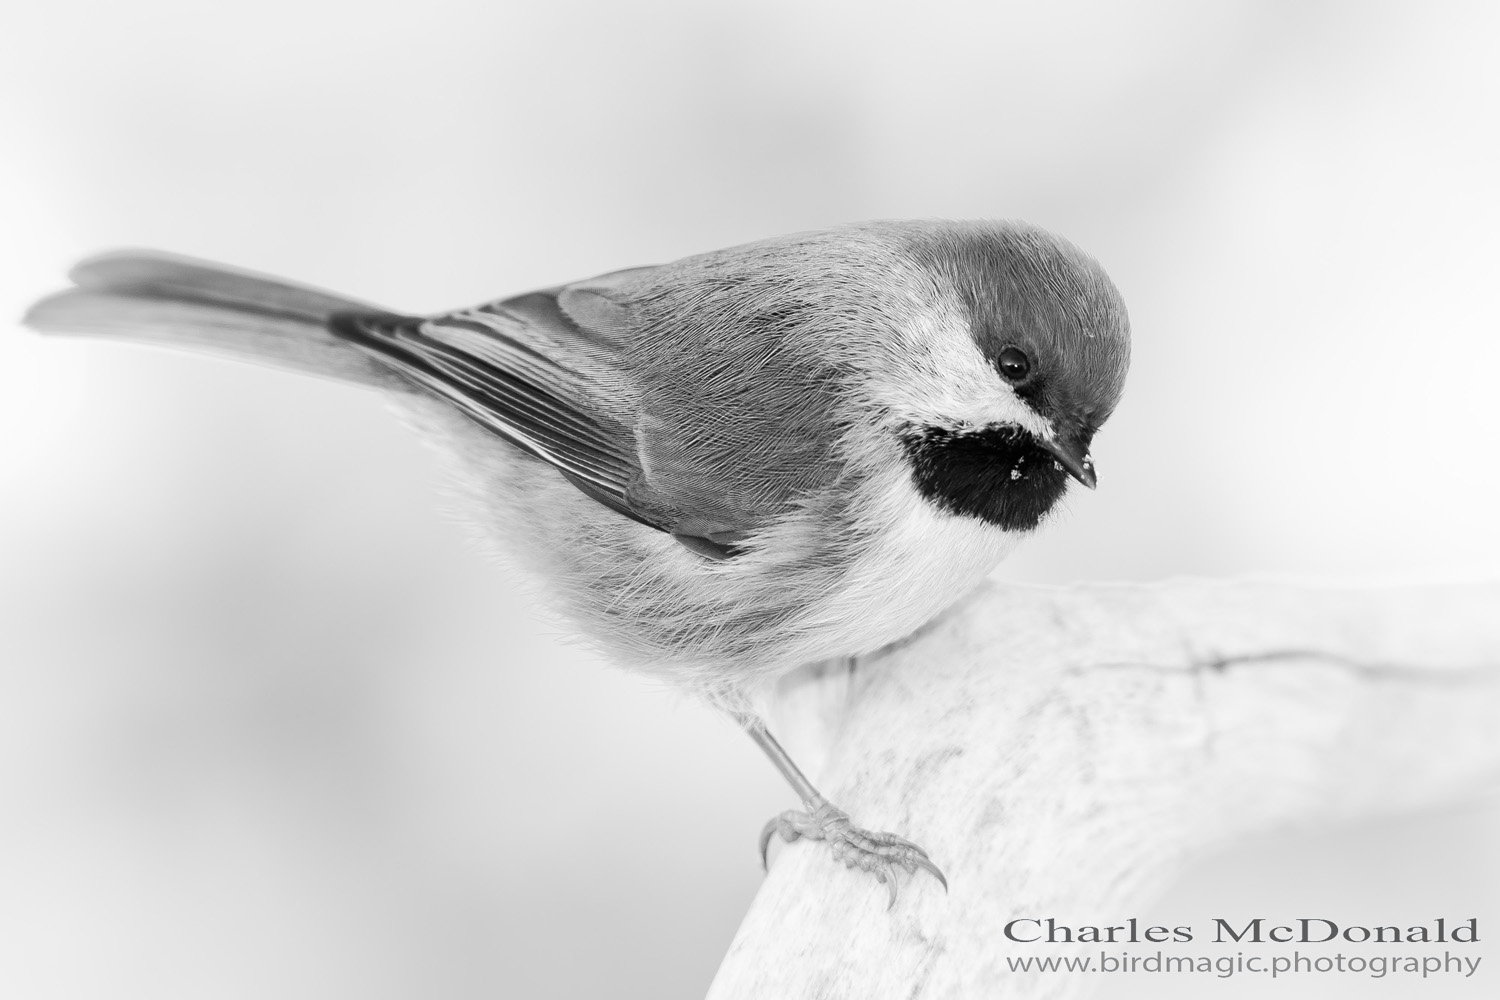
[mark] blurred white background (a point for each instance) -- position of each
(269, 727)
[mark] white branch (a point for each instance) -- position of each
(1065, 751)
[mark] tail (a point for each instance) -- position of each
(177, 301)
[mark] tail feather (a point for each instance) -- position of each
(176, 301)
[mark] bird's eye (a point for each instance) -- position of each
(1014, 364)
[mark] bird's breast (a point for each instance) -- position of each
(918, 558)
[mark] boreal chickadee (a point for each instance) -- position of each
(793, 450)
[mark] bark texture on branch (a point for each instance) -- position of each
(1063, 751)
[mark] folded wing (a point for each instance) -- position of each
(501, 365)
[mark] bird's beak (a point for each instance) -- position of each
(1073, 455)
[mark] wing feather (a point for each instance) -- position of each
(527, 397)
(670, 430)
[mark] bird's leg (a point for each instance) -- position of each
(878, 853)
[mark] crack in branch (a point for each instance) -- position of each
(1222, 663)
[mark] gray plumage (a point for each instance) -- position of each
(727, 465)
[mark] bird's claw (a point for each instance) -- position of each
(877, 853)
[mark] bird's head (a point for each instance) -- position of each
(1026, 361)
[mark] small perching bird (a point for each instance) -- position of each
(721, 468)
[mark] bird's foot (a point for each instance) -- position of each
(878, 853)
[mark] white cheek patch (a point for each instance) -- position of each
(943, 379)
